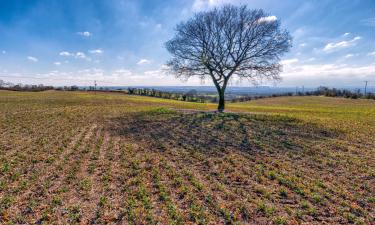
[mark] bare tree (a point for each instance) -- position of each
(226, 42)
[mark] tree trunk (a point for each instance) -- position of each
(221, 92)
(221, 105)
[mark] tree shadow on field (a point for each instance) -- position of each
(215, 133)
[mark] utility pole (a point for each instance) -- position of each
(95, 86)
(366, 81)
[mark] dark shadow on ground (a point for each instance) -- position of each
(216, 133)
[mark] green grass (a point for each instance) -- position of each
(76, 157)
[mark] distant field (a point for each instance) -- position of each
(80, 158)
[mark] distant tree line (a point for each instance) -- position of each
(334, 92)
(68, 88)
(321, 91)
(33, 87)
(23, 87)
(190, 96)
(193, 96)
(255, 97)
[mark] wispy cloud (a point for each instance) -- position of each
(96, 51)
(84, 34)
(65, 53)
(143, 62)
(289, 61)
(371, 53)
(311, 59)
(333, 46)
(57, 63)
(320, 74)
(199, 5)
(122, 73)
(3, 52)
(346, 34)
(81, 55)
(32, 59)
(77, 55)
(121, 76)
(369, 22)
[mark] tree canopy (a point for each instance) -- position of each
(226, 42)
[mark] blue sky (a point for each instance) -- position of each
(121, 41)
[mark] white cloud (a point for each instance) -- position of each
(326, 74)
(346, 34)
(66, 54)
(77, 55)
(84, 34)
(199, 4)
(57, 63)
(143, 62)
(3, 51)
(205, 4)
(120, 77)
(122, 73)
(371, 53)
(289, 61)
(302, 45)
(328, 70)
(80, 55)
(333, 46)
(267, 19)
(96, 51)
(164, 67)
(311, 59)
(348, 56)
(32, 59)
